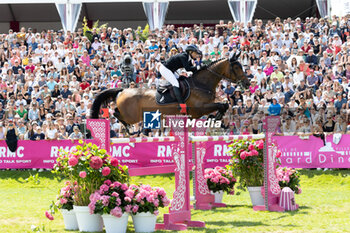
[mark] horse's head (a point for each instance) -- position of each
(237, 74)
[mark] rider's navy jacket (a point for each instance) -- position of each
(181, 60)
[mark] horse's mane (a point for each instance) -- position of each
(213, 63)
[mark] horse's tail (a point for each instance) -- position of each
(103, 98)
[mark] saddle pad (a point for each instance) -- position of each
(169, 98)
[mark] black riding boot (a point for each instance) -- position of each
(179, 98)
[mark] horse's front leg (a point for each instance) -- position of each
(212, 107)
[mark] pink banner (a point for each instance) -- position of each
(43, 154)
(313, 153)
(296, 153)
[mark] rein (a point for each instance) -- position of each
(224, 77)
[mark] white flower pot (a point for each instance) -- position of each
(86, 221)
(70, 220)
(256, 196)
(114, 224)
(144, 222)
(218, 196)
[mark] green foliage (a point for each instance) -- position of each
(220, 179)
(85, 166)
(88, 31)
(143, 34)
(245, 166)
(34, 179)
(288, 177)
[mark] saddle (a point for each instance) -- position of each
(165, 93)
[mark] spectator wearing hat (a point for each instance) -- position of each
(268, 69)
(253, 86)
(65, 93)
(274, 108)
(311, 58)
(76, 135)
(38, 135)
(236, 96)
(260, 75)
(277, 74)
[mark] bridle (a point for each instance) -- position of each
(231, 71)
(223, 76)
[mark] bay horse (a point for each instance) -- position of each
(131, 102)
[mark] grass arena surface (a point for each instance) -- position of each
(324, 205)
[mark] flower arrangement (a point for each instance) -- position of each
(115, 198)
(148, 199)
(64, 200)
(219, 179)
(112, 198)
(288, 177)
(247, 162)
(89, 167)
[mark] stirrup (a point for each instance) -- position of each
(183, 108)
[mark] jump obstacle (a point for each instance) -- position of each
(179, 216)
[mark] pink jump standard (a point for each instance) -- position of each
(179, 216)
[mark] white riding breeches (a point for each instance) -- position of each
(168, 75)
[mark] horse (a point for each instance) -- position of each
(132, 102)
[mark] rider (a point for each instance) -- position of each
(181, 60)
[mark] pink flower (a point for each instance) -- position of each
(279, 153)
(166, 201)
(106, 171)
(214, 180)
(104, 188)
(116, 184)
(63, 201)
(96, 162)
(156, 202)
(255, 152)
(232, 192)
(105, 200)
(114, 162)
(127, 199)
(251, 147)
(161, 192)
(129, 193)
(124, 187)
(135, 208)
(117, 212)
(73, 161)
(107, 182)
(48, 215)
(128, 208)
(156, 212)
(243, 155)
(82, 174)
(299, 190)
(114, 194)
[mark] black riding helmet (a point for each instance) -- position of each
(193, 48)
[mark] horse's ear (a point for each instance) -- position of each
(238, 53)
(235, 56)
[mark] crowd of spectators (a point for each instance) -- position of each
(298, 69)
